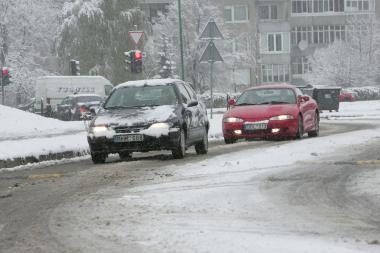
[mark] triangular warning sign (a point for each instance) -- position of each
(211, 31)
(136, 36)
(211, 54)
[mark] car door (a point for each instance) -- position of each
(199, 120)
(188, 112)
(306, 108)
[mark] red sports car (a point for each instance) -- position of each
(271, 111)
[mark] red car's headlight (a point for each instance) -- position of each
(282, 117)
(232, 120)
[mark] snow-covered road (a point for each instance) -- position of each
(285, 197)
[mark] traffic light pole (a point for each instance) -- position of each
(181, 40)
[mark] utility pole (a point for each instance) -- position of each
(181, 40)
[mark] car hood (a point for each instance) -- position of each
(135, 116)
(262, 111)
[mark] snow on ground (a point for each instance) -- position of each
(215, 205)
(355, 110)
(17, 124)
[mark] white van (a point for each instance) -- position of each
(54, 88)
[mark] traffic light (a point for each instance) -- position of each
(75, 68)
(138, 61)
(134, 60)
(5, 76)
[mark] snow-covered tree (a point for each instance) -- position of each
(26, 31)
(95, 32)
(352, 62)
(196, 14)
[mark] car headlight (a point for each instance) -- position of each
(98, 129)
(160, 126)
(282, 117)
(232, 120)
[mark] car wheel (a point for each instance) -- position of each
(300, 128)
(202, 147)
(125, 155)
(98, 158)
(229, 140)
(315, 132)
(179, 151)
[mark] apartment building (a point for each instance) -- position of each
(151, 8)
(288, 31)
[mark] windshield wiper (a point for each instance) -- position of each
(246, 104)
(273, 103)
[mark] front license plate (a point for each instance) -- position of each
(129, 138)
(256, 126)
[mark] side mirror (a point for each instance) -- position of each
(302, 99)
(192, 103)
(231, 102)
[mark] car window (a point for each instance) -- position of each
(184, 93)
(191, 91)
(88, 99)
(142, 96)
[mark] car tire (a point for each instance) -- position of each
(315, 132)
(180, 150)
(202, 147)
(300, 130)
(125, 155)
(98, 158)
(229, 140)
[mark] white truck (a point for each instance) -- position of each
(52, 89)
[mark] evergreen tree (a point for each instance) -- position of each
(95, 32)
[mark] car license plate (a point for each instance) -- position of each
(256, 126)
(129, 138)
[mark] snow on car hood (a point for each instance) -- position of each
(136, 116)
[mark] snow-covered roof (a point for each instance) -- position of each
(148, 82)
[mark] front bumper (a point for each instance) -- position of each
(275, 129)
(150, 143)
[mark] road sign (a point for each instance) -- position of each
(211, 53)
(136, 36)
(211, 31)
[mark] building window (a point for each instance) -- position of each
(275, 73)
(358, 5)
(236, 14)
(268, 12)
(318, 34)
(317, 6)
(300, 66)
(274, 42)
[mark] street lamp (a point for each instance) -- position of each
(181, 40)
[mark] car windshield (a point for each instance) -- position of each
(85, 99)
(142, 96)
(267, 96)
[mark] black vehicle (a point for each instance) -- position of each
(147, 115)
(326, 97)
(74, 107)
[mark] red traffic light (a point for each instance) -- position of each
(138, 55)
(5, 72)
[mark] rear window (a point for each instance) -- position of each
(88, 99)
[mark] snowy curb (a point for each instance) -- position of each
(10, 163)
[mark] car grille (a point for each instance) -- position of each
(129, 130)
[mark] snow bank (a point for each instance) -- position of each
(17, 124)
